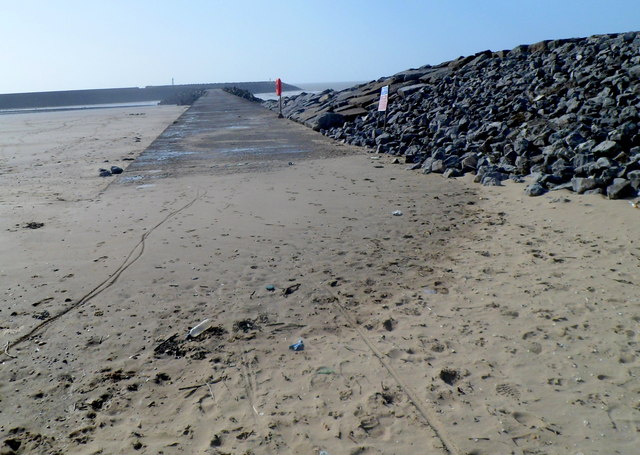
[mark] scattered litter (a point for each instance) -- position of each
(325, 370)
(323, 452)
(374, 157)
(428, 290)
(244, 325)
(290, 163)
(270, 288)
(635, 204)
(299, 346)
(197, 330)
(33, 225)
(41, 316)
(397, 213)
(291, 289)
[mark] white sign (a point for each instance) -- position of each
(384, 99)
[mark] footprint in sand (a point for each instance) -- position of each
(508, 390)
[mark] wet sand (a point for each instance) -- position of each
(479, 321)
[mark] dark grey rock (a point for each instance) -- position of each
(606, 148)
(452, 172)
(574, 139)
(619, 189)
(383, 138)
(409, 90)
(535, 189)
(426, 165)
(438, 166)
(491, 181)
(580, 185)
(603, 163)
(469, 163)
(452, 162)
(634, 179)
(116, 170)
(581, 159)
(328, 120)
(104, 173)
(634, 72)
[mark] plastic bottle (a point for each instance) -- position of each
(197, 330)
(299, 346)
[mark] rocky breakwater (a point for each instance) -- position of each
(563, 112)
(246, 94)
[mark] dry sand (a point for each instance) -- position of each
(480, 321)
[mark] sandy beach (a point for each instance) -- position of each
(479, 321)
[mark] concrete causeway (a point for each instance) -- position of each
(222, 133)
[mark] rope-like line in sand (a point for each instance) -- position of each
(428, 414)
(104, 285)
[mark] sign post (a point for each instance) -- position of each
(384, 100)
(279, 93)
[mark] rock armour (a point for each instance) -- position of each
(564, 112)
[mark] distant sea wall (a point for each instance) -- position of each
(123, 95)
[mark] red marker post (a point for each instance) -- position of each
(279, 93)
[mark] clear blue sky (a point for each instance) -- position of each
(68, 44)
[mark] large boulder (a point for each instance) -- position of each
(410, 89)
(606, 148)
(327, 121)
(634, 179)
(619, 189)
(581, 184)
(535, 189)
